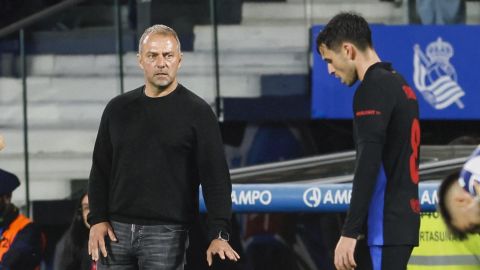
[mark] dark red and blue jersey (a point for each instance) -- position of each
(384, 204)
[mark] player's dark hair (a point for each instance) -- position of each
(445, 186)
(346, 27)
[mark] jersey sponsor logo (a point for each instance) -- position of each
(409, 92)
(435, 77)
(415, 205)
(367, 113)
(251, 197)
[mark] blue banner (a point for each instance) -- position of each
(439, 62)
(269, 198)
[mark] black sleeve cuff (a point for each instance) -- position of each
(350, 234)
(214, 232)
(95, 220)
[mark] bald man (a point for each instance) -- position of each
(155, 145)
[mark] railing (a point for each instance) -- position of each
(338, 167)
(47, 12)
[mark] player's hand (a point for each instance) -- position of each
(222, 249)
(96, 240)
(344, 251)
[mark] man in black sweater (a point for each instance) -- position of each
(384, 206)
(155, 145)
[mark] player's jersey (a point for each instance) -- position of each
(471, 172)
(384, 203)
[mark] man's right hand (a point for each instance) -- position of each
(96, 241)
(344, 253)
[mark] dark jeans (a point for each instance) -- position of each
(159, 247)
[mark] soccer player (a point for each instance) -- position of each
(384, 208)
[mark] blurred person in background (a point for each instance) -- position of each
(459, 209)
(21, 242)
(155, 145)
(71, 252)
(384, 207)
(442, 11)
(459, 198)
(2, 142)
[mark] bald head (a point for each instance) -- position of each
(158, 29)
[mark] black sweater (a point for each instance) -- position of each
(387, 135)
(150, 156)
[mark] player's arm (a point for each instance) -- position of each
(372, 110)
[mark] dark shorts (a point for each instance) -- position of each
(382, 257)
(159, 247)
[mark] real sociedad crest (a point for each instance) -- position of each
(435, 77)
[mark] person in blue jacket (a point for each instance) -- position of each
(21, 242)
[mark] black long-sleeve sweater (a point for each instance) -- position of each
(150, 156)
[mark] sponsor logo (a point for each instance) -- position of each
(435, 77)
(251, 197)
(312, 197)
(367, 112)
(428, 197)
(338, 196)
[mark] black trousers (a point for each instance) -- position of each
(381, 257)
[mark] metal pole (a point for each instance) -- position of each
(21, 24)
(308, 26)
(119, 43)
(213, 17)
(23, 61)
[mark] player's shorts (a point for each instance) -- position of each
(381, 257)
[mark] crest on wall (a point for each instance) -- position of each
(435, 77)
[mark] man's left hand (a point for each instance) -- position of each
(222, 249)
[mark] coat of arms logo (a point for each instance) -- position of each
(435, 77)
